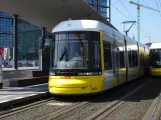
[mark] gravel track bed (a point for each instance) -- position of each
(83, 112)
(40, 111)
(137, 105)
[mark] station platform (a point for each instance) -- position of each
(24, 81)
(14, 95)
(24, 77)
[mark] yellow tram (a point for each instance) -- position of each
(155, 59)
(88, 56)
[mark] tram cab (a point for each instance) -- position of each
(88, 56)
(155, 59)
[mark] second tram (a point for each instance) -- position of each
(155, 59)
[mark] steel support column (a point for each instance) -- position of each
(15, 41)
(110, 11)
(40, 51)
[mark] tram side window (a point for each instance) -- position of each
(122, 61)
(142, 59)
(130, 58)
(107, 56)
(133, 59)
(96, 54)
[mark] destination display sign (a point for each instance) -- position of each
(70, 36)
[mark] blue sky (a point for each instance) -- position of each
(150, 21)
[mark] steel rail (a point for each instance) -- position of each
(24, 108)
(62, 111)
(154, 109)
(111, 107)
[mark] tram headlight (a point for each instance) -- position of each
(89, 73)
(52, 73)
(82, 74)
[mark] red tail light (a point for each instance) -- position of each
(150, 67)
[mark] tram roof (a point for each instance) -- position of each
(93, 25)
(155, 46)
(48, 13)
(81, 25)
(86, 25)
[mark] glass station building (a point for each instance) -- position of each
(101, 6)
(27, 42)
(21, 50)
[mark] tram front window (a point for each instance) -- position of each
(155, 57)
(70, 51)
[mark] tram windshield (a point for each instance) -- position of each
(75, 50)
(155, 57)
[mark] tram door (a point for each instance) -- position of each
(133, 70)
(108, 65)
(115, 59)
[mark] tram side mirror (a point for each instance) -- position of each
(41, 42)
(48, 42)
(45, 41)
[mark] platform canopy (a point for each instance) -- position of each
(48, 13)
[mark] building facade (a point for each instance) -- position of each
(6, 35)
(27, 39)
(101, 6)
(19, 39)
(6, 29)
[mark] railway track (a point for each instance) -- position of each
(60, 112)
(154, 110)
(154, 113)
(24, 108)
(102, 113)
(99, 115)
(52, 115)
